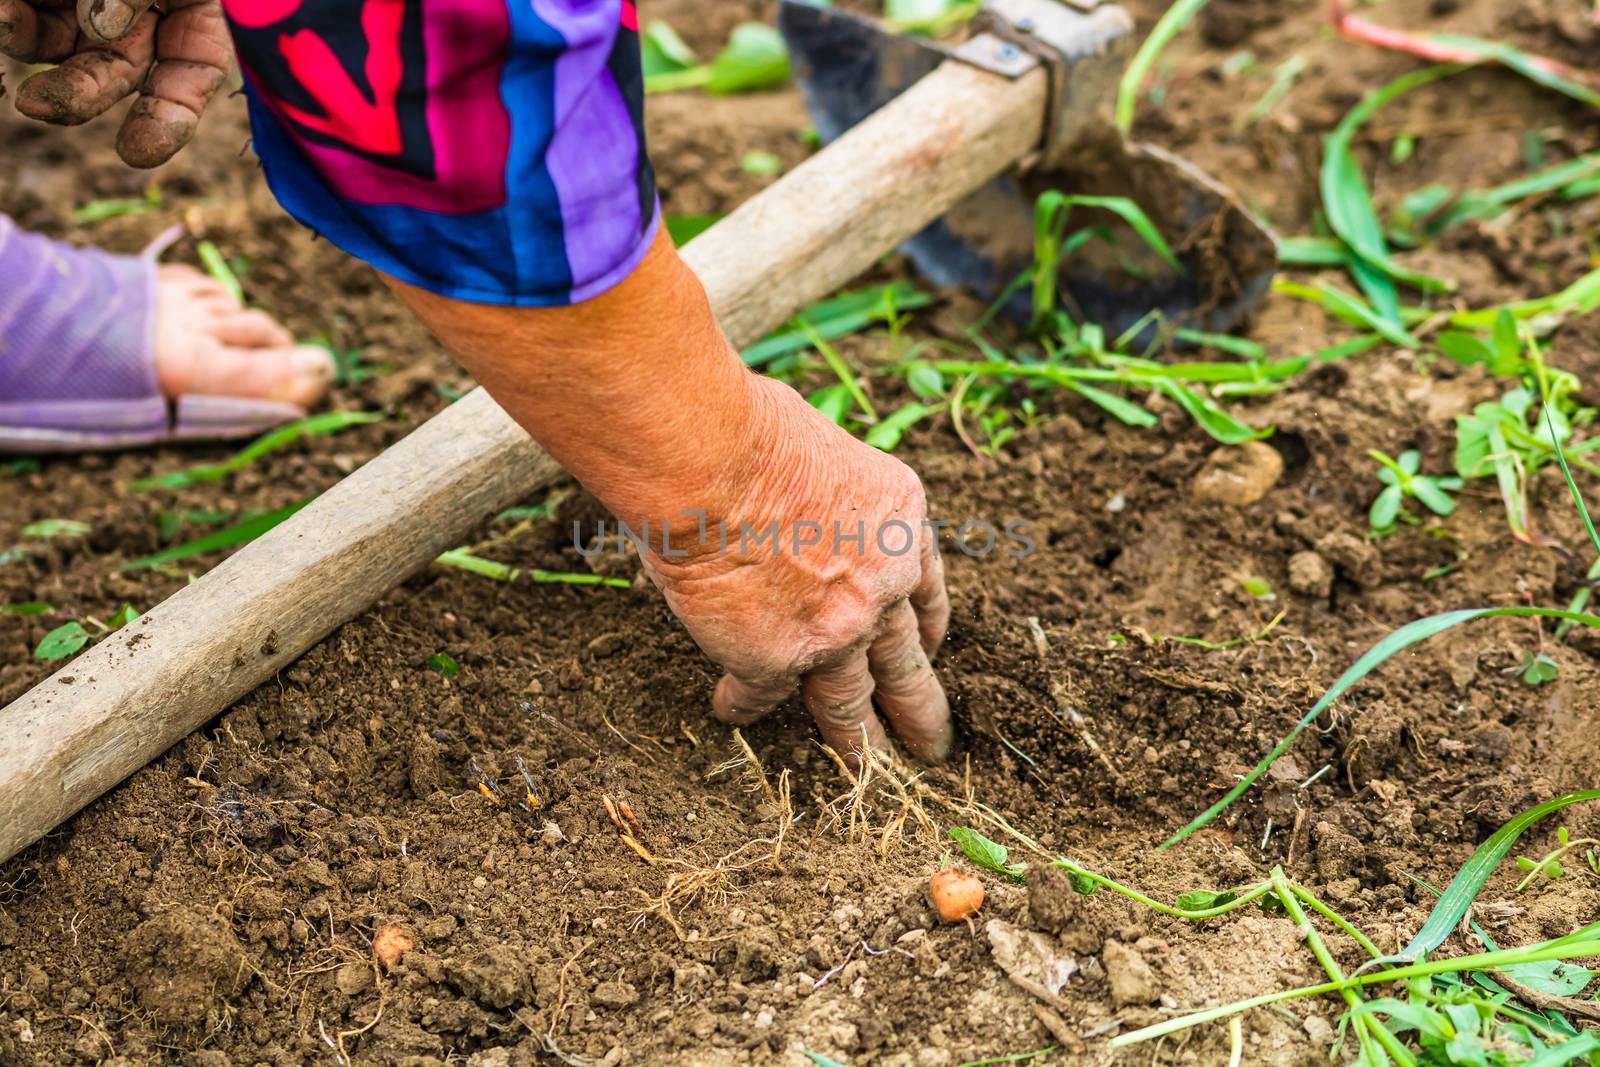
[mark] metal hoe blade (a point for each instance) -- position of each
(848, 66)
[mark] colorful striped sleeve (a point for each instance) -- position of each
(485, 150)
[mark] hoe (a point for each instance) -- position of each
(936, 148)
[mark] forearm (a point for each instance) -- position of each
(635, 391)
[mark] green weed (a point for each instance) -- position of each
(444, 663)
(753, 59)
(1402, 480)
(217, 265)
(45, 529)
(329, 422)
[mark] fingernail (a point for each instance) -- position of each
(111, 21)
(314, 362)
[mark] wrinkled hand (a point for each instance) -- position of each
(110, 49)
(845, 624)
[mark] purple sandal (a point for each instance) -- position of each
(77, 356)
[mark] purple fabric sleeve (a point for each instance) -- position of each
(76, 335)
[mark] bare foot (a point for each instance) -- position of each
(208, 345)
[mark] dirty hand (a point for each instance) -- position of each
(638, 394)
(175, 60)
(846, 604)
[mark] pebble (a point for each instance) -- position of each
(1310, 575)
(1132, 981)
(1238, 475)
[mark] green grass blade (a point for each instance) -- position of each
(1179, 15)
(216, 265)
(1403, 638)
(462, 559)
(1572, 486)
(1212, 419)
(238, 534)
(1567, 1052)
(1528, 66)
(1226, 342)
(1348, 202)
(1122, 409)
(836, 317)
(1133, 215)
(843, 371)
(1464, 887)
(1311, 252)
(1342, 305)
(569, 578)
(312, 426)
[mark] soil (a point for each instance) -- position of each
(220, 907)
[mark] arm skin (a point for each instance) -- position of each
(641, 397)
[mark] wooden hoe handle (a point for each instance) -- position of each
(144, 687)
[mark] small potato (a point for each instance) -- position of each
(955, 894)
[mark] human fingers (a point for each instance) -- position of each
(740, 701)
(192, 53)
(90, 80)
(37, 31)
(930, 600)
(907, 690)
(104, 21)
(839, 697)
(250, 328)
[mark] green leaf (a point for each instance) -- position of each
(216, 265)
(1171, 23)
(1559, 978)
(833, 401)
(1082, 884)
(123, 617)
(1465, 348)
(48, 528)
(822, 1061)
(1537, 670)
(62, 642)
(1226, 342)
(1311, 252)
(1386, 508)
(444, 664)
(1399, 640)
(12, 555)
(1344, 306)
(1348, 203)
(462, 559)
(1216, 422)
(1123, 410)
(754, 58)
(1204, 899)
(227, 537)
(990, 855)
(925, 381)
(1122, 207)
(662, 51)
(328, 422)
(31, 608)
(1432, 496)
(1531, 67)
(837, 316)
(685, 228)
(887, 434)
(1463, 888)
(760, 163)
(1257, 587)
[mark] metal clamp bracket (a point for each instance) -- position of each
(1083, 46)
